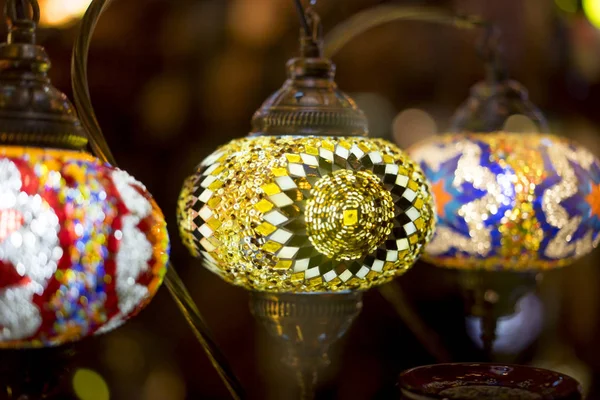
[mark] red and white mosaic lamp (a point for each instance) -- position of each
(83, 246)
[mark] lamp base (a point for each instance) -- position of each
(308, 324)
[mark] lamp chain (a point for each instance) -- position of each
(311, 36)
(100, 147)
(303, 17)
(489, 50)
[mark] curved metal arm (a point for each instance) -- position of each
(354, 26)
(79, 80)
(488, 47)
(100, 147)
(376, 16)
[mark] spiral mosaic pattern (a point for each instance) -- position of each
(306, 214)
(511, 201)
(83, 247)
(349, 215)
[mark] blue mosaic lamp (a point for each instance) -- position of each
(512, 200)
(506, 199)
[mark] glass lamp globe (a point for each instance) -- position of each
(509, 199)
(83, 246)
(307, 202)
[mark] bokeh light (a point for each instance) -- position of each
(89, 385)
(379, 110)
(58, 13)
(520, 124)
(228, 85)
(164, 105)
(124, 355)
(164, 384)
(256, 23)
(412, 125)
(592, 11)
(569, 6)
(514, 332)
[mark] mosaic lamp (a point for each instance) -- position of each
(83, 246)
(307, 211)
(307, 203)
(512, 200)
(509, 200)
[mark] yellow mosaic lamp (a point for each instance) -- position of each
(307, 211)
(307, 202)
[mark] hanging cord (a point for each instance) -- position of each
(101, 149)
(302, 17)
(311, 34)
(305, 16)
(489, 50)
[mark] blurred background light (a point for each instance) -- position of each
(569, 6)
(56, 13)
(164, 384)
(124, 355)
(560, 359)
(592, 11)
(164, 105)
(514, 332)
(257, 23)
(379, 110)
(520, 124)
(230, 79)
(89, 385)
(411, 126)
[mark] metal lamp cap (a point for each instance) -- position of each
(491, 104)
(32, 111)
(310, 103)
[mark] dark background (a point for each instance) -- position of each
(173, 79)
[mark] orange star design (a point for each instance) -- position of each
(593, 199)
(442, 197)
